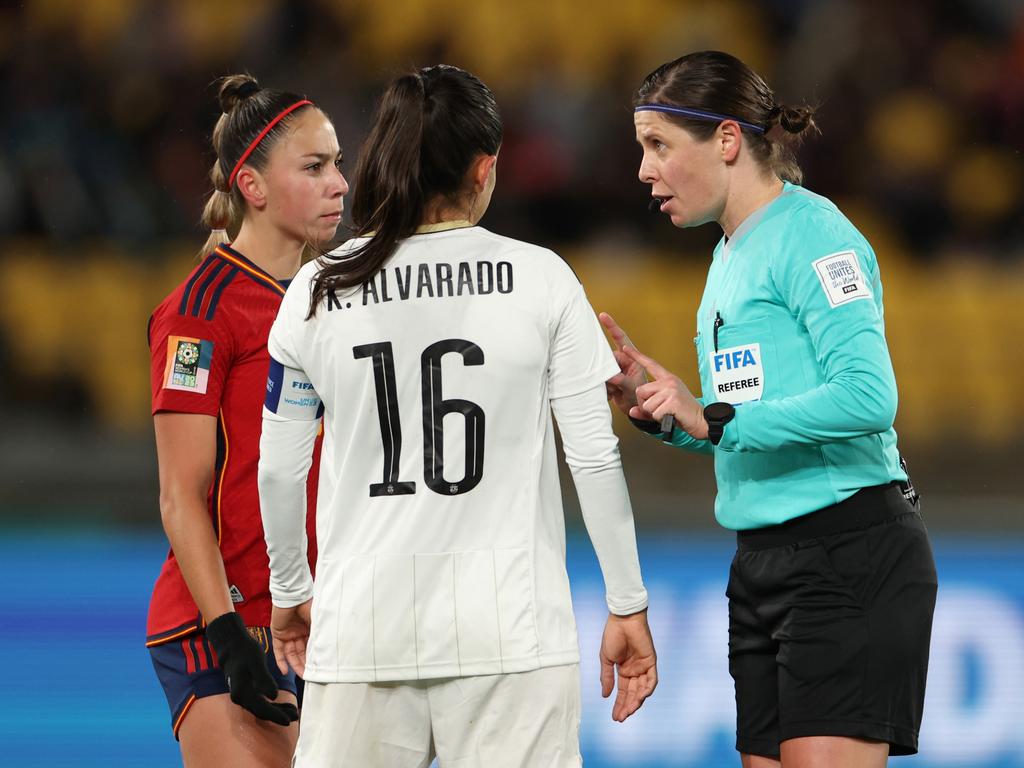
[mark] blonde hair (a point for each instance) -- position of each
(246, 111)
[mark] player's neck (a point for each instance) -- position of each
(439, 211)
(276, 253)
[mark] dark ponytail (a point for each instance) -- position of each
(712, 81)
(389, 199)
(246, 110)
(428, 128)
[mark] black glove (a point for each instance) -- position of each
(244, 664)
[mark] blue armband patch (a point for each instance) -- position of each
(290, 394)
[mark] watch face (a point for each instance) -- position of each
(719, 412)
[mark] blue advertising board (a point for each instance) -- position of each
(81, 690)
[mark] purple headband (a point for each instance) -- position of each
(699, 114)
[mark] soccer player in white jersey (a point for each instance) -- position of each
(440, 620)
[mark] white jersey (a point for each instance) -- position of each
(439, 521)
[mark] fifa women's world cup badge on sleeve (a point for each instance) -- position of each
(188, 364)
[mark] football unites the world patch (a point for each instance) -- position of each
(188, 364)
(841, 277)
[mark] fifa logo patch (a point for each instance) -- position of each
(188, 364)
(737, 374)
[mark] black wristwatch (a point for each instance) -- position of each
(717, 415)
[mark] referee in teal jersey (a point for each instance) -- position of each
(832, 589)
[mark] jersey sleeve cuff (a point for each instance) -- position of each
(283, 597)
(625, 605)
(731, 433)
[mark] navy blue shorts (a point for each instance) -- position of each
(188, 670)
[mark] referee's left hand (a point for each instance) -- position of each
(628, 648)
(666, 394)
(622, 386)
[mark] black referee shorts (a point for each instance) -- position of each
(830, 619)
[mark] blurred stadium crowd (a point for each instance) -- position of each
(108, 107)
(107, 114)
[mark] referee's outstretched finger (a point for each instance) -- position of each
(614, 330)
(652, 366)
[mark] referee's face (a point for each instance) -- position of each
(687, 175)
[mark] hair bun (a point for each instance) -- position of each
(236, 88)
(796, 119)
(247, 89)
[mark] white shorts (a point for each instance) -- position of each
(523, 720)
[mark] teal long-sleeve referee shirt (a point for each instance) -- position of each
(790, 330)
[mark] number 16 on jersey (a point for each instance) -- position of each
(435, 408)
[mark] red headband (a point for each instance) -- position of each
(255, 142)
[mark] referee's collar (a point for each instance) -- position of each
(753, 219)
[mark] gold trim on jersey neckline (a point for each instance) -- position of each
(427, 229)
(442, 226)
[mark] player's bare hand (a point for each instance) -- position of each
(290, 629)
(622, 387)
(665, 395)
(627, 650)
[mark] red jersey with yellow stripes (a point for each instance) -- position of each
(208, 350)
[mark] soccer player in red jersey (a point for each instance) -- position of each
(278, 185)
